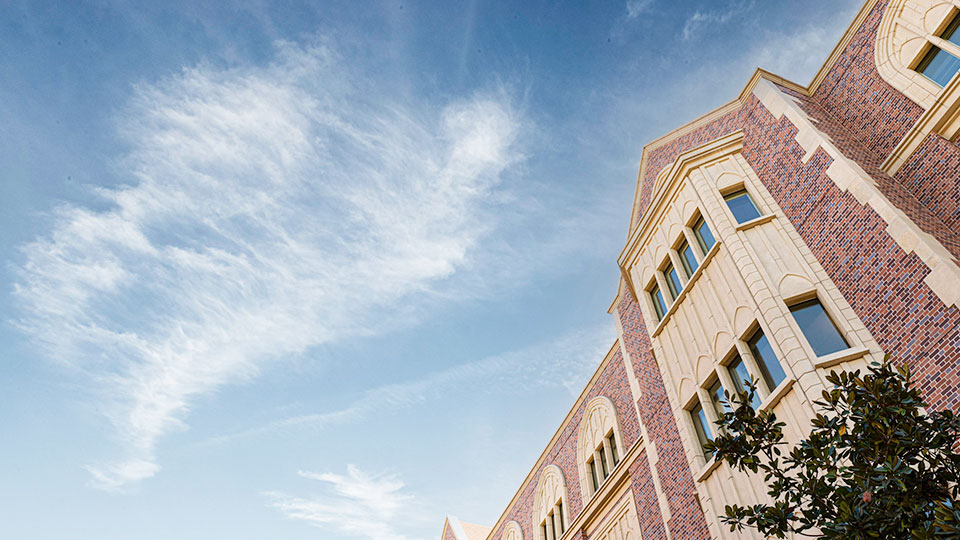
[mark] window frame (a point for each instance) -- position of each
(842, 332)
(700, 222)
(736, 193)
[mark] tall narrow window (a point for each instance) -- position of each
(719, 400)
(563, 526)
(592, 463)
(658, 304)
(702, 427)
(742, 206)
(688, 259)
(703, 234)
(740, 376)
(612, 441)
(767, 361)
(673, 281)
(938, 65)
(817, 327)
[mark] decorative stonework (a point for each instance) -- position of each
(623, 525)
(599, 419)
(848, 175)
(550, 489)
(905, 31)
(512, 531)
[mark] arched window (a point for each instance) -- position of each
(550, 513)
(599, 445)
(918, 47)
(512, 531)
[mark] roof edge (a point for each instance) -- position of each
(556, 435)
(742, 98)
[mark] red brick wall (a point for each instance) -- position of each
(612, 383)
(882, 283)
(878, 115)
(686, 517)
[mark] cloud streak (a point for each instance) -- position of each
(571, 358)
(355, 504)
(270, 209)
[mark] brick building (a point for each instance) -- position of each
(794, 230)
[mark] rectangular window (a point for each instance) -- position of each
(767, 361)
(613, 448)
(688, 259)
(593, 474)
(658, 304)
(719, 400)
(702, 426)
(938, 65)
(740, 376)
(543, 530)
(742, 206)
(821, 333)
(563, 526)
(603, 462)
(703, 234)
(673, 281)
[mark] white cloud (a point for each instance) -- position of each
(270, 209)
(701, 19)
(358, 504)
(635, 8)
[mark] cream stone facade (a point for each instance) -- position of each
(840, 198)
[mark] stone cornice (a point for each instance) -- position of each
(685, 162)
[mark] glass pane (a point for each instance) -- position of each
(951, 34)
(704, 236)
(702, 425)
(939, 66)
(658, 304)
(817, 327)
(719, 400)
(603, 462)
(563, 525)
(593, 474)
(762, 352)
(742, 206)
(689, 260)
(739, 374)
(613, 448)
(673, 281)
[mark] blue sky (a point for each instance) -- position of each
(305, 270)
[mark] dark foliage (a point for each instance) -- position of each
(875, 465)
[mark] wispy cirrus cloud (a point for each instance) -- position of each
(635, 8)
(571, 358)
(356, 504)
(269, 210)
(701, 19)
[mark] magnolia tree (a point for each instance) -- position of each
(875, 464)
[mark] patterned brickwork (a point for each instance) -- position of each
(645, 496)
(877, 114)
(686, 518)
(933, 176)
(612, 383)
(929, 178)
(882, 283)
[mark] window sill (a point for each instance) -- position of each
(755, 221)
(839, 357)
(708, 469)
(683, 293)
(781, 390)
